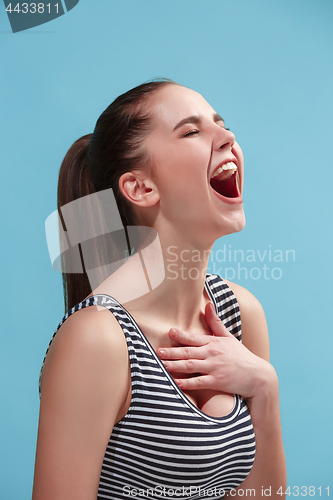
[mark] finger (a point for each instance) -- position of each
(192, 383)
(215, 323)
(187, 338)
(185, 366)
(180, 353)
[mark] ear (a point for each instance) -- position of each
(138, 189)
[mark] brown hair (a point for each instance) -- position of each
(96, 162)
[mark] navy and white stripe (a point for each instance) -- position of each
(165, 446)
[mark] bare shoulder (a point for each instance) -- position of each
(88, 359)
(254, 325)
(89, 337)
(245, 299)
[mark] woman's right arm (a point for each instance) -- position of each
(85, 387)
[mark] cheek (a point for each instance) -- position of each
(238, 153)
(181, 167)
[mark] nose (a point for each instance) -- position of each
(223, 138)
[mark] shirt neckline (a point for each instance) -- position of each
(225, 418)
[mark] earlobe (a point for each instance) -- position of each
(138, 190)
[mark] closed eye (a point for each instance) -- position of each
(191, 132)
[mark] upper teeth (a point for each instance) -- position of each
(230, 166)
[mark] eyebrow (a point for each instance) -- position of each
(197, 120)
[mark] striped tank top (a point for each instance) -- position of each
(165, 447)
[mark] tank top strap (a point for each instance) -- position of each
(226, 304)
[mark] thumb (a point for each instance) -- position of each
(214, 322)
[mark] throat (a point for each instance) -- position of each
(225, 187)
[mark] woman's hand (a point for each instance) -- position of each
(218, 361)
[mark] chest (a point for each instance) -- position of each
(211, 402)
(165, 443)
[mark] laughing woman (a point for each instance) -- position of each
(150, 392)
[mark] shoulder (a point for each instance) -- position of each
(91, 327)
(89, 347)
(254, 325)
(246, 300)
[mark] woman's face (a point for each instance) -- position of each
(189, 145)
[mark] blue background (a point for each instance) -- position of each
(266, 67)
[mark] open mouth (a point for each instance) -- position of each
(224, 180)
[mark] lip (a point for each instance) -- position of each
(230, 201)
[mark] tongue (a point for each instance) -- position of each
(225, 187)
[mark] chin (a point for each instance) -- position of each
(233, 226)
(241, 224)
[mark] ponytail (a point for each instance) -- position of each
(74, 182)
(74, 176)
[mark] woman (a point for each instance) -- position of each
(175, 168)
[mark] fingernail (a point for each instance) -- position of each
(161, 352)
(211, 305)
(178, 381)
(173, 332)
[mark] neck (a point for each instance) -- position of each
(163, 282)
(181, 296)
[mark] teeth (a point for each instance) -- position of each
(228, 170)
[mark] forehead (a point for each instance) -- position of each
(173, 103)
